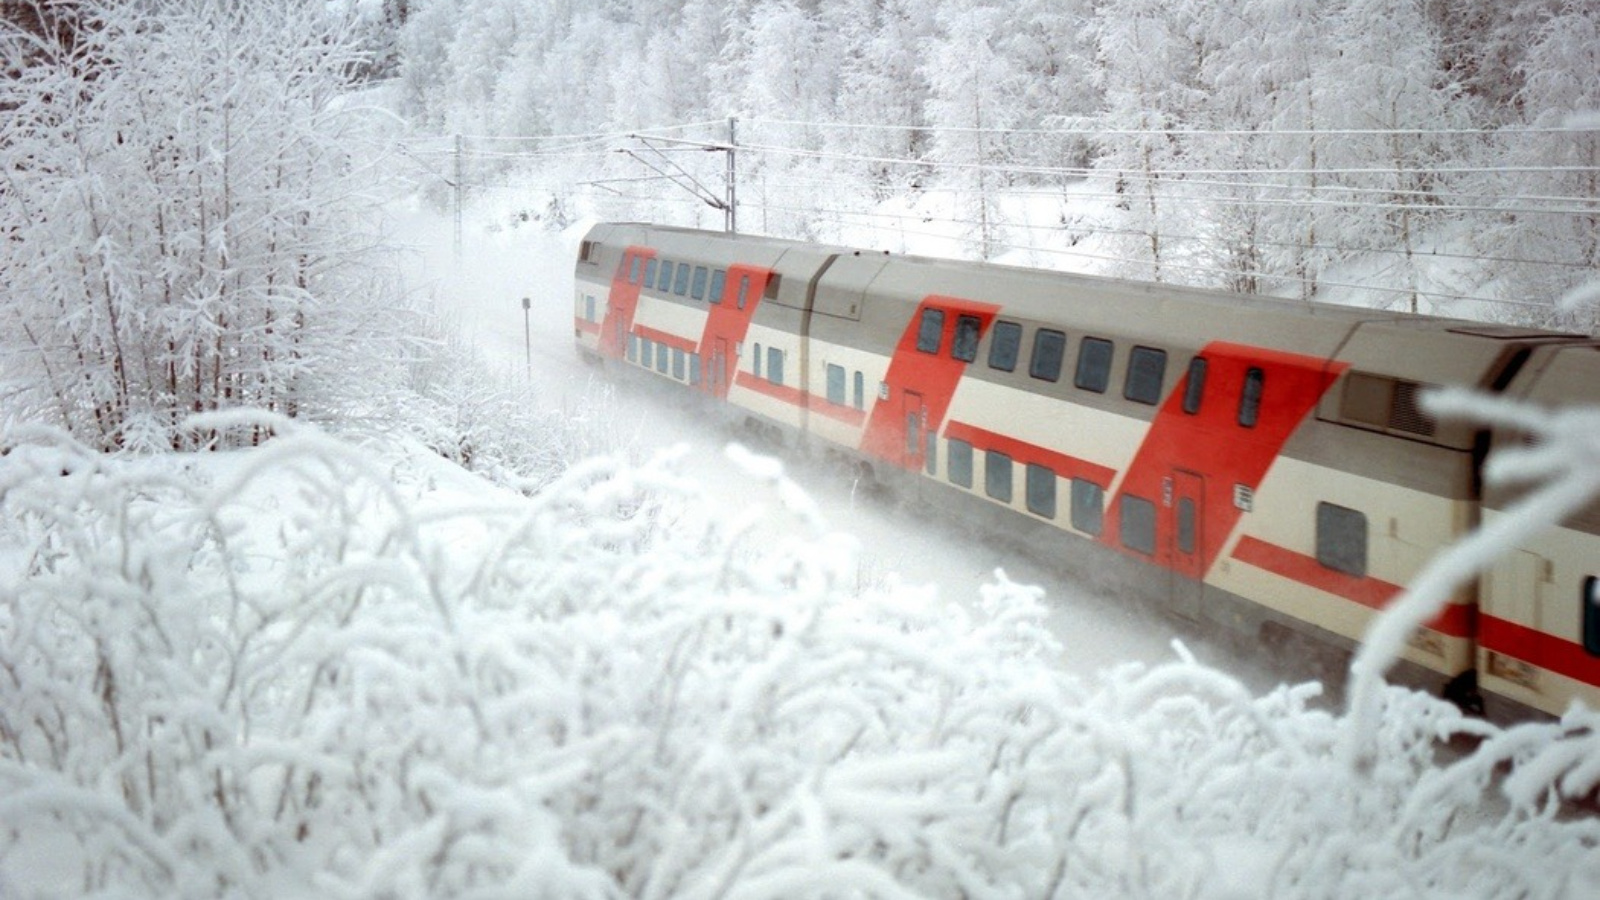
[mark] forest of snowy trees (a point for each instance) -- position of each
(1439, 155)
(413, 637)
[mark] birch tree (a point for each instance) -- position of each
(180, 202)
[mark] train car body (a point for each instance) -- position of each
(1263, 461)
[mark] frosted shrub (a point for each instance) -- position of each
(314, 669)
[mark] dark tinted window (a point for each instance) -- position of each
(680, 280)
(1088, 506)
(997, 476)
(647, 352)
(1147, 367)
(744, 290)
(930, 331)
(633, 273)
(775, 365)
(1187, 520)
(1041, 491)
(663, 358)
(664, 282)
(1591, 615)
(965, 346)
(719, 283)
(1138, 528)
(633, 348)
(678, 362)
(698, 289)
(1049, 349)
(861, 391)
(960, 465)
(1004, 345)
(1094, 365)
(1250, 398)
(835, 384)
(1342, 539)
(755, 361)
(1195, 389)
(650, 273)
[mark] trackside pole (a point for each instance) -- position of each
(527, 337)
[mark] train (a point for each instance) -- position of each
(1256, 462)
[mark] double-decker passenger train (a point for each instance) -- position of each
(1261, 461)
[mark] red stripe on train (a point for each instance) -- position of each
(1539, 648)
(621, 304)
(665, 337)
(1030, 454)
(801, 400)
(920, 385)
(1209, 456)
(1457, 620)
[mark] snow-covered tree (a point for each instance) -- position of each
(975, 94)
(183, 212)
(1547, 240)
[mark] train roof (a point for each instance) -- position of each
(1425, 349)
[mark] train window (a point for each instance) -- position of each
(633, 269)
(1138, 526)
(663, 357)
(931, 330)
(1195, 390)
(775, 365)
(755, 362)
(678, 363)
(861, 391)
(1049, 349)
(1591, 615)
(680, 280)
(1147, 367)
(586, 251)
(835, 384)
(997, 476)
(664, 282)
(1088, 506)
(1004, 345)
(1250, 397)
(650, 267)
(930, 452)
(588, 308)
(647, 352)
(1041, 491)
(1187, 520)
(1094, 365)
(633, 348)
(694, 368)
(719, 283)
(744, 290)
(698, 289)
(959, 465)
(1342, 539)
(965, 346)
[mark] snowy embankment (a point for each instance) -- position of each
(323, 669)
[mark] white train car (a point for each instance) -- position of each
(1261, 461)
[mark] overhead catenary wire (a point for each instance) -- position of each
(1384, 193)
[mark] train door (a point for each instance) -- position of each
(916, 418)
(1185, 540)
(717, 382)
